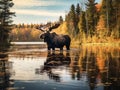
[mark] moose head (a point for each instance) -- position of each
(54, 40)
(46, 31)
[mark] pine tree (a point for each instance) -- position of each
(71, 21)
(78, 12)
(73, 14)
(82, 23)
(107, 12)
(110, 16)
(82, 27)
(116, 18)
(5, 22)
(61, 19)
(91, 17)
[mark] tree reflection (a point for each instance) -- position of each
(111, 77)
(75, 66)
(5, 72)
(102, 66)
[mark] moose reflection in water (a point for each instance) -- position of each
(54, 40)
(53, 63)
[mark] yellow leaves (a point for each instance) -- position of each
(25, 34)
(62, 29)
(35, 33)
(101, 23)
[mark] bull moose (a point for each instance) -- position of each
(54, 40)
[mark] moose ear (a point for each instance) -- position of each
(54, 26)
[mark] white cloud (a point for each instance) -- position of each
(24, 8)
(23, 2)
(38, 12)
(26, 3)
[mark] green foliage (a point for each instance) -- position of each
(91, 17)
(61, 19)
(72, 19)
(82, 23)
(78, 10)
(5, 22)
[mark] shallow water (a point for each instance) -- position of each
(86, 68)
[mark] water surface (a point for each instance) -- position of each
(84, 68)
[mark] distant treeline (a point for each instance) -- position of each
(25, 32)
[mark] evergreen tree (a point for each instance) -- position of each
(61, 19)
(82, 23)
(72, 13)
(71, 20)
(5, 21)
(82, 27)
(107, 12)
(91, 17)
(110, 16)
(102, 23)
(103, 11)
(78, 12)
(72, 23)
(116, 18)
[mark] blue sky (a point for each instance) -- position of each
(41, 11)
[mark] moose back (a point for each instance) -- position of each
(54, 40)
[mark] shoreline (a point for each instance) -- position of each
(95, 44)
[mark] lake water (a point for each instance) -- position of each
(93, 67)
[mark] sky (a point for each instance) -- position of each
(41, 11)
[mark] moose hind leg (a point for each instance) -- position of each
(61, 48)
(68, 47)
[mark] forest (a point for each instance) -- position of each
(97, 23)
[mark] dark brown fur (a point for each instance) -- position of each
(54, 40)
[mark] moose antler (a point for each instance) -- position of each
(43, 28)
(40, 28)
(54, 26)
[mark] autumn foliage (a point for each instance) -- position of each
(23, 32)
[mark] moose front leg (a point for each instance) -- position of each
(48, 48)
(53, 48)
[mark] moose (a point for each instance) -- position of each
(54, 40)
